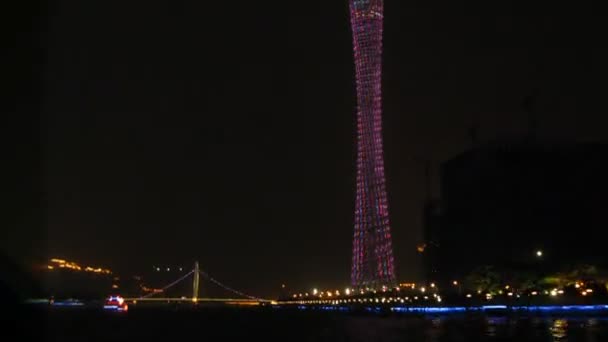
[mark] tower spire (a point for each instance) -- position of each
(195, 283)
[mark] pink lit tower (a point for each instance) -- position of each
(372, 265)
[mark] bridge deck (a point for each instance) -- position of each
(199, 300)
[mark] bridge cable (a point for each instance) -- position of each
(168, 286)
(204, 274)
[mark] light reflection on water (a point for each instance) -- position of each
(244, 325)
(434, 331)
(559, 329)
(556, 329)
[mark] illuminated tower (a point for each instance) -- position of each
(372, 249)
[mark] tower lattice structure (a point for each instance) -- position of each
(372, 264)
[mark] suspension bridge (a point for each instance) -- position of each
(196, 273)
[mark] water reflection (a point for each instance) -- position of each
(435, 330)
(559, 329)
(320, 326)
(480, 328)
(592, 329)
(493, 324)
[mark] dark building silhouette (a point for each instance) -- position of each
(500, 203)
(432, 218)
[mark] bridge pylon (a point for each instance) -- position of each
(195, 283)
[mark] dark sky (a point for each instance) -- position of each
(224, 131)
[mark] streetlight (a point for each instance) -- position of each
(456, 283)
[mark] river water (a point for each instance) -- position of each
(280, 325)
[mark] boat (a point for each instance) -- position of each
(115, 303)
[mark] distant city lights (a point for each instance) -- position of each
(60, 263)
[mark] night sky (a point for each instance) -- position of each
(223, 131)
